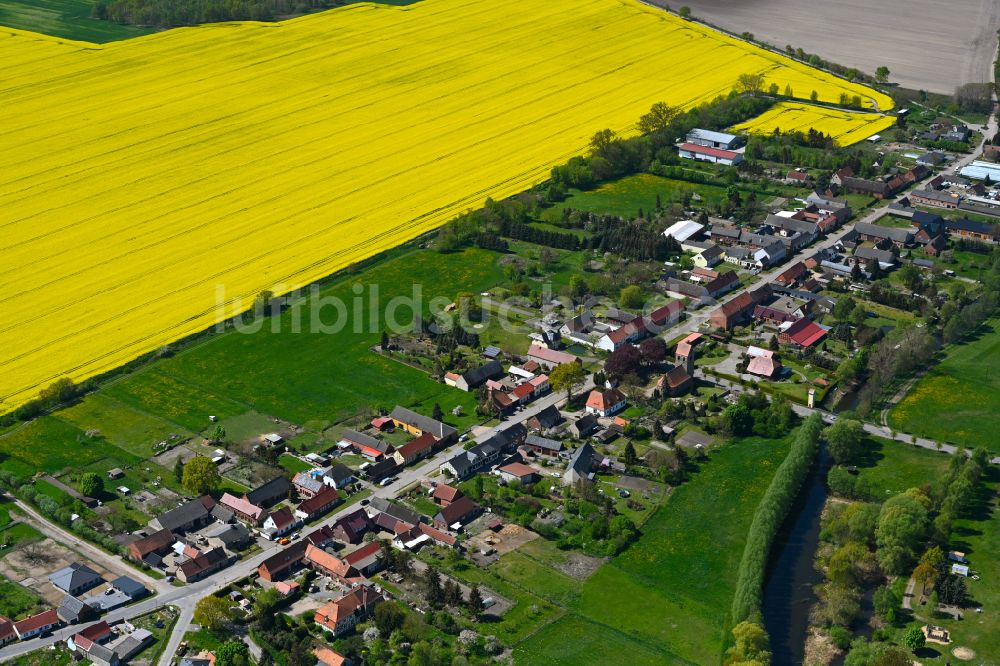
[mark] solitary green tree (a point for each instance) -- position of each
(567, 377)
(91, 484)
(200, 475)
(882, 74)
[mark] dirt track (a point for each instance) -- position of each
(926, 44)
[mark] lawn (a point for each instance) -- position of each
(17, 601)
(626, 196)
(69, 19)
(293, 464)
(958, 400)
(888, 467)
(124, 426)
(50, 444)
(681, 572)
(300, 376)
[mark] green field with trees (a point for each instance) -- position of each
(70, 19)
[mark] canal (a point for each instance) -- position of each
(788, 587)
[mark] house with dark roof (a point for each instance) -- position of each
(885, 258)
(542, 446)
(386, 513)
(158, 543)
(95, 633)
(873, 188)
(546, 419)
(476, 377)
(418, 424)
(307, 483)
(233, 538)
(581, 464)
(75, 579)
(875, 233)
(322, 537)
(734, 312)
(352, 527)
(187, 517)
(338, 475)
(485, 454)
(458, 513)
(366, 445)
(583, 426)
(381, 469)
(938, 198)
(983, 232)
(72, 610)
(289, 558)
(270, 493)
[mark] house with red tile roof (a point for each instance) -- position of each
(318, 504)
(764, 364)
(341, 615)
(444, 494)
(36, 625)
(459, 512)
(352, 527)
(331, 565)
(244, 510)
(366, 558)
(416, 536)
(277, 566)
(605, 402)
(327, 657)
(416, 449)
(517, 472)
(804, 333)
(157, 543)
(7, 633)
(280, 523)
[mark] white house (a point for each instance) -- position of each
(692, 151)
(606, 402)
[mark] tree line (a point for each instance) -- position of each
(170, 13)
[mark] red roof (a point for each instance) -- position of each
(664, 314)
(551, 355)
(707, 150)
(414, 448)
(363, 553)
(518, 469)
(523, 391)
(96, 632)
(6, 628)
(805, 333)
(446, 493)
(321, 500)
(282, 518)
(604, 400)
(43, 619)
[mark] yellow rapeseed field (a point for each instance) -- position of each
(845, 127)
(139, 175)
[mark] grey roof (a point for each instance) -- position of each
(178, 519)
(710, 135)
(491, 352)
(222, 514)
(99, 654)
(339, 472)
(132, 643)
(477, 376)
(923, 263)
(936, 195)
(263, 494)
(71, 609)
(231, 535)
(688, 288)
(582, 460)
(543, 442)
(105, 602)
(424, 423)
(791, 224)
(397, 511)
(932, 157)
(739, 252)
(367, 440)
(971, 225)
(725, 231)
(76, 576)
(585, 423)
(892, 233)
(132, 587)
(549, 416)
(882, 256)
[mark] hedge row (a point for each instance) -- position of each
(771, 513)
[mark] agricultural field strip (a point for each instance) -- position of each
(186, 159)
(845, 127)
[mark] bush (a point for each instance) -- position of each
(771, 512)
